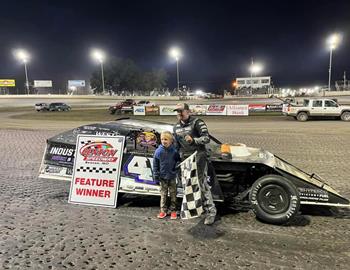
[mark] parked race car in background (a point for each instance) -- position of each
(41, 107)
(241, 177)
(59, 106)
(125, 106)
(145, 103)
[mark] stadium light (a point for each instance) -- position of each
(175, 53)
(23, 56)
(99, 56)
(332, 42)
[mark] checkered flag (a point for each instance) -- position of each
(192, 200)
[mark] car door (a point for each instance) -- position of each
(137, 171)
(331, 108)
(316, 107)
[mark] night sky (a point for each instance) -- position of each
(218, 39)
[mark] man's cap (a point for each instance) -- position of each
(182, 107)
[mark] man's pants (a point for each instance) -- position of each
(207, 198)
(165, 187)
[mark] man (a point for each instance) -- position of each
(191, 135)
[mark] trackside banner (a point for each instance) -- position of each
(167, 110)
(237, 110)
(96, 170)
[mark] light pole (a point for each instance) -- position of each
(333, 42)
(23, 56)
(100, 56)
(254, 69)
(176, 54)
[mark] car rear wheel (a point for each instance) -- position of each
(302, 116)
(345, 116)
(274, 199)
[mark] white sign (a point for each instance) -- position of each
(237, 109)
(216, 109)
(167, 110)
(198, 109)
(42, 83)
(139, 110)
(76, 83)
(96, 173)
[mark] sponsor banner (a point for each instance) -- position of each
(7, 83)
(139, 110)
(216, 109)
(274, 107)
(167, 110)
(76, 83)
(257, 107)
(237, 109)
(198, 109)
(96, 172)
(42, 83)
(151, 110)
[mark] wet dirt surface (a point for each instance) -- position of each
(40, 230)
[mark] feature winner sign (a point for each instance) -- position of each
(96, 171)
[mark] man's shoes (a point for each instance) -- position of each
(209, 220)
(161, 215)
(173, 215)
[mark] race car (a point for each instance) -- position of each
(241, 177)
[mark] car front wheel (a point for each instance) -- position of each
(274, 199)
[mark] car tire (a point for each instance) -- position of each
(274, 199)
(59, 109)
(345, 116)
(302, 116)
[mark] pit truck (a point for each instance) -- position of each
(318, 108)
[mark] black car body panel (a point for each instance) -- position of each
(232, 171)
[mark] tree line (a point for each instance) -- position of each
(123, 75)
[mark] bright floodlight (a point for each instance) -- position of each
(256, 68)
(333, 41)
(98, 55)
(22, 55)
(175, 53)
(199, 92)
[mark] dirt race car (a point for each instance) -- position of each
(239, 175)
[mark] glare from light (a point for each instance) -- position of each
(199, 92)
(256, 68)
(175, 53)
(22, 55)
(317, 88)
(98, 55)
(333, 41)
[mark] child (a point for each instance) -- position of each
(164, 162)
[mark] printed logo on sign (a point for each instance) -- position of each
(216, 108)
(98, 151)
(61, 151)
(140, 110)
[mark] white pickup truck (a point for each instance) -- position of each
(318, 107)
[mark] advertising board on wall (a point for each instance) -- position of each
(76, 83)
(167, 110)
(151, 110)
(237, 110)
(198, 109)
(96, 172)
(7, 83)
(216, 109)
(42, 83)
(257, 107)
(139, 110)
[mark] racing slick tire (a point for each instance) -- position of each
(274, 199)
(345, 116)
(302, 116)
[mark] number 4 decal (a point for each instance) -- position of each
(140, 168)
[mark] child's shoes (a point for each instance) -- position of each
(161, 215)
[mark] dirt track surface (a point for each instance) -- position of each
(40, 230)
